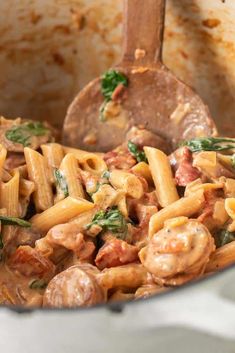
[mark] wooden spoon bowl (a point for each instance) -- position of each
(154, 99)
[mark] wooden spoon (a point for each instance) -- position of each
(154, 99)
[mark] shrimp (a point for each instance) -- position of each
(179, 252)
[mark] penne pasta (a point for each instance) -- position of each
(221, 258)
(10, 195)
(142, 169)
(162, 176)
(27, 187)
(70, 170)
(186, 206)
(61, 212)
(128, 276)
(54, 154)
(90, 162)
(3, 154)
(10, 202)
(127, 182)
(37, 172)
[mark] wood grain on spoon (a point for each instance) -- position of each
(154, 98)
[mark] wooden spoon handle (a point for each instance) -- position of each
(143, 29)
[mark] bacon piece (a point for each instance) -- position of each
(29, 262)
(121, 159)
(115, 252)
(186, 173)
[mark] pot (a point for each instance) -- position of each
(49, 50)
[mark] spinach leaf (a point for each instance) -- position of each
(61, 182)
(22, 133)
(14, 221)
(224, 237)
(109, 82)
(110, 220)
(209, 144)
(139, 155)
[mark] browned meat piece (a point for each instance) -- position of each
(14, 160)
(142, 137)
(119, 159)
(76, 286)
(115, 252)
(185, 172)
(22, 236)
(34, 141)
(29, 262)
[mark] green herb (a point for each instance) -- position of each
(110, 220)
(109, 82)
(61, 182)
(139, 155)
(14, 221)
(37, 284)
(210, 144)
(22, 133)
(224, 237)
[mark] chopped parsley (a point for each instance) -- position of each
(138, 154)
(224, 237)
(37, 284)
(110, 220)
(109, 82)
(61, 182)
(22, 133)
(210, 144)
(14, 221)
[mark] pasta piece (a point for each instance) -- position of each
(221, 258)
(229, 187)
(106, 196)
(90, 162)
(162, 176)
(128, 182)
(126, 276)
(70, 170)
(186, 206)
(60, 213)
(230, 209)
(3, 154)
(43, 196)
(197, 185)
(53, 153)
(10, 202)
(27, 187)
(10, 195)
(142, 169)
